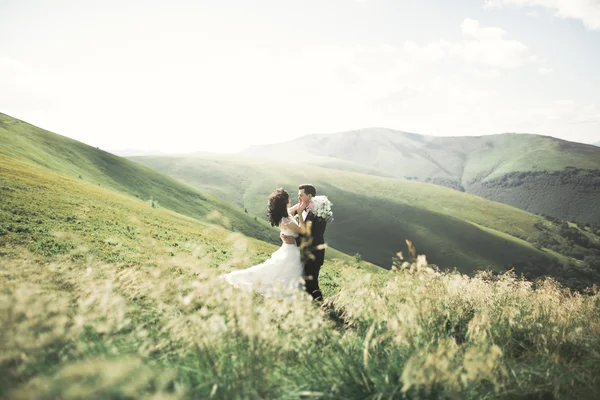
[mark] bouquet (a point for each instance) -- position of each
(321, 207)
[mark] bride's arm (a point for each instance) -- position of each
(301, 223)
(294, 227)
(292, 210)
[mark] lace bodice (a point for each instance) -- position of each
(285, 222)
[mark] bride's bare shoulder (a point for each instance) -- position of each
(286, 221)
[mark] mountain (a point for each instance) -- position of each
(375, 215)
(596, 144)
(509, 168)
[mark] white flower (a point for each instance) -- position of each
(321, 207)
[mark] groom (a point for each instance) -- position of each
(315, 240)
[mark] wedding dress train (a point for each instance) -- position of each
(279, 276)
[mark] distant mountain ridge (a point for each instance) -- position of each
(464, 158)
(475, 164)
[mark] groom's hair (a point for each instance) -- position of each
(308, 189)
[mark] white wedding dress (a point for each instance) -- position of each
(279, 276)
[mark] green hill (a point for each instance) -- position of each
(477, 165)
(571, 194)
(105, 296)
(51, 214)
(375, 215)
(34, 146)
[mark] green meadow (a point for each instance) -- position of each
(109, 291)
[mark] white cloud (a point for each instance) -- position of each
(545, 71)
(472, 28)
(488, 46)
(588, 11)
(482, 45)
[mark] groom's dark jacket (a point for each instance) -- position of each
(317, 231)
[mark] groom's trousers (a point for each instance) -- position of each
(311, 274)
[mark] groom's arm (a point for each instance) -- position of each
(287, 239)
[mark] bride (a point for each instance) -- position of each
(282, 273)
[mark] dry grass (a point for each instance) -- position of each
(104, 330)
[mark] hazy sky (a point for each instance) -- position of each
(183, 76)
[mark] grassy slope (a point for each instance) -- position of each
(572, 195)
(51, 214)
(104, 296)
(36, 146)
(493, 156)
(375, 215)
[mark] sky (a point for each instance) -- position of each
(220, 76)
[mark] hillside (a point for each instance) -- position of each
(104, 296)
(476, 165)
(571, 193)
(375, 215)
(50, 215)
(38, 147)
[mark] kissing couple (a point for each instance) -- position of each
(297, 263)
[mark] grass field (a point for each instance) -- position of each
(104, 296)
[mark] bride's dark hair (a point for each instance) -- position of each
(277, 207)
